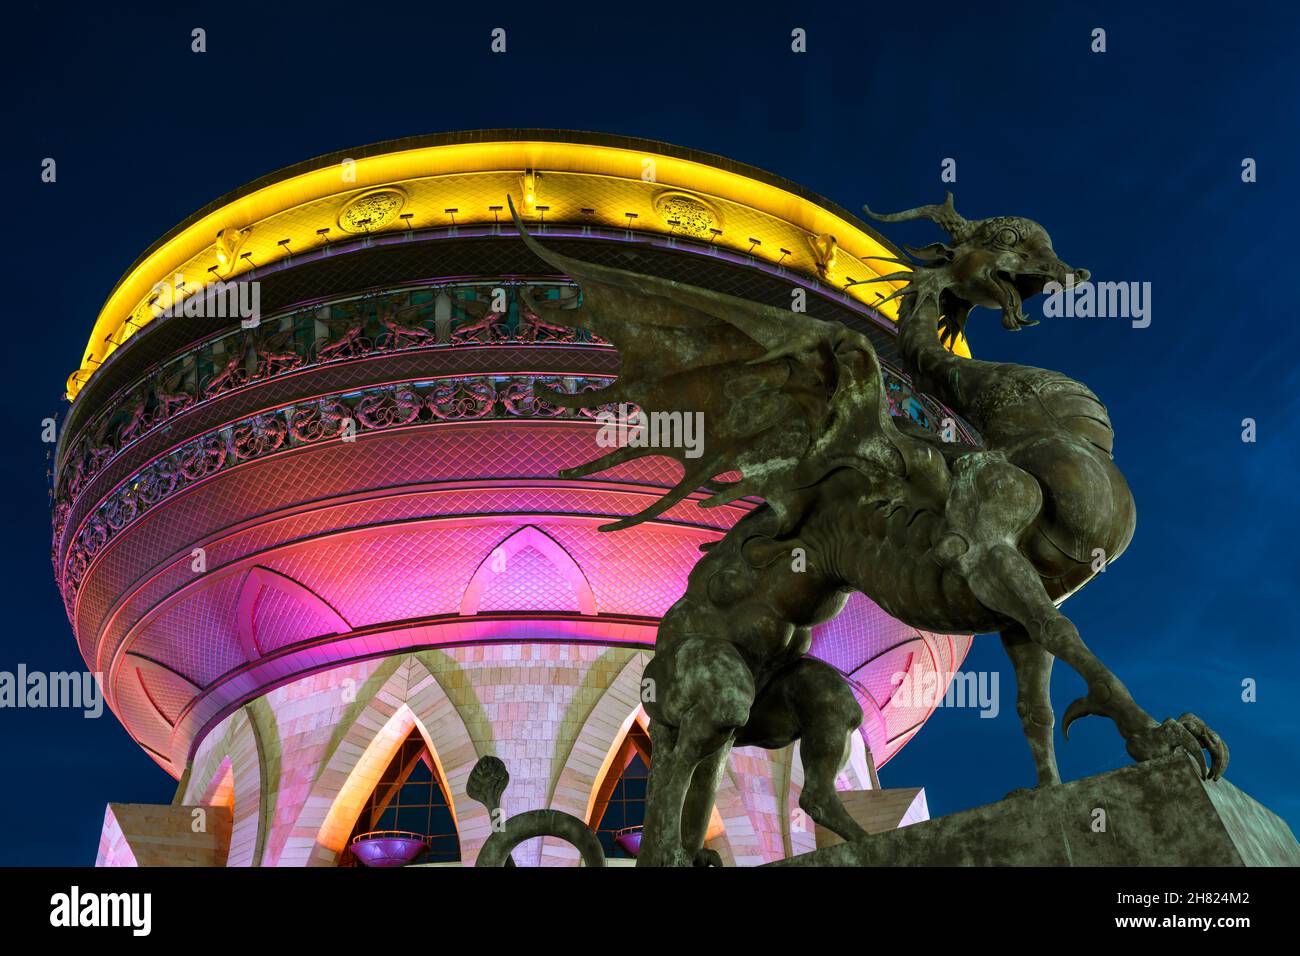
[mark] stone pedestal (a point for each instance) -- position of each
(1159, 813)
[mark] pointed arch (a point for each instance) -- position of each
(593, 751)
(274, 610)
(591, 761)
(231, 768)
(411, 795)
(737, 844)
(331, 835)
(741, 843)
(410, 699)
(166, 691)
(529, 536)
(623, 788)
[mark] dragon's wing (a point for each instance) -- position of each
(785, 398)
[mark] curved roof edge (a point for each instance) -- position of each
(661, 188)
(455, 138)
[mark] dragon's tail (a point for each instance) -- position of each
(487, 782)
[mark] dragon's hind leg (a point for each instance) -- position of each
(810, 702)
(698, 809)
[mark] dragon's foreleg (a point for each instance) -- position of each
(991, 503)
(1033, 666)
(810, 701)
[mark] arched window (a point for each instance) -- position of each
(410, 796)
(620, 800)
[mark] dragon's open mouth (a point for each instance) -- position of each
(1025, 285)
(1015, 289)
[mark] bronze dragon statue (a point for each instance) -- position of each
(944, 536)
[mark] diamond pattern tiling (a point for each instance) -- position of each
(334, 378)
(404, 572)
(638, 572)
(140, 717)
(380, 460)
(529, 582)
(860, 632)
(197, 636)
(281, 618)
(237, 494)
(170, 693)
(877, 678)
(411, 568)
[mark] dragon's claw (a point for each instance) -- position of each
(1210, 741)
(1188, 733)
(1083, 707)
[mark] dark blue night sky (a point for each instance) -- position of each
(1131, 159)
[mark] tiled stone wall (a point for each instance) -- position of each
(297, 765)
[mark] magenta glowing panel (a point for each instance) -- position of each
(428, 536)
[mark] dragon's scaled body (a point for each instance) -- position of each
(943, 536)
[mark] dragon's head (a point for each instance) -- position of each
(996, 263)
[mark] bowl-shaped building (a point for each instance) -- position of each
(308, 520)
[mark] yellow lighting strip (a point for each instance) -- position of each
(457, 184)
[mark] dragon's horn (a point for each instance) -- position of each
(945, 216)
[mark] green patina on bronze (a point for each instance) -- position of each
(1161, 812)
(487, 782)
(943, 535)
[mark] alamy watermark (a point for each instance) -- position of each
(219, 300)
(976, 689)
(75, 690)
(630, 427)
(133, 911)
(1098, 300)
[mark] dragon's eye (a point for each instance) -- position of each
(1006, 236)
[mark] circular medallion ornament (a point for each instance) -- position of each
(687, 213)
(372, 211)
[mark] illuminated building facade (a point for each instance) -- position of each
(309, 528)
